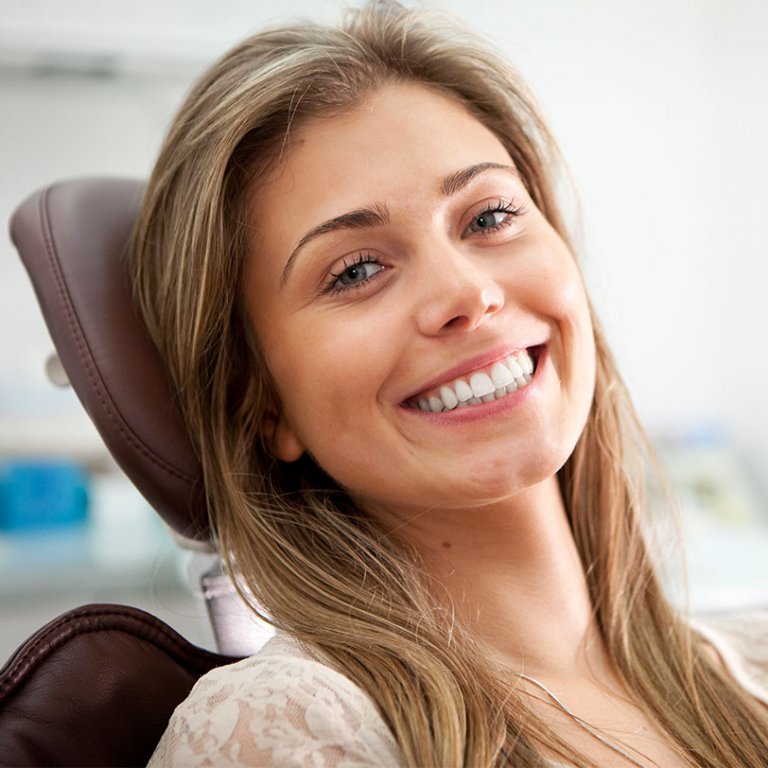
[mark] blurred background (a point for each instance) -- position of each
(661, 111)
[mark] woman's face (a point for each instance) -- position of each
(399, 263)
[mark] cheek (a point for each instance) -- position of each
(580, 353)
(563, 299)
(329, 381)
(560, 281)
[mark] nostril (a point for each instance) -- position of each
(459, 306)
(456, 322)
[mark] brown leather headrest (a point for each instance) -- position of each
(96, 686)
(72, 238)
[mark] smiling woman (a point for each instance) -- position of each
(432, 263)
(418, 454)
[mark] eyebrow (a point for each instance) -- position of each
(362, 218)
(377, 215)
(455, 182)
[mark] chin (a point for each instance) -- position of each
(504, 478)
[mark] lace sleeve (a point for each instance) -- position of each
(276, 709)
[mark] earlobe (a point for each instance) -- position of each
(286, 446)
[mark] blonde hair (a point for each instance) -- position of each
(314, 563)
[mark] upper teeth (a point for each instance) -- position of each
(505, 376)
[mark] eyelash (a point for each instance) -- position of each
(332, 287)
(499, 206)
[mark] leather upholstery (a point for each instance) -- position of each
(96, 686)
(72, 238)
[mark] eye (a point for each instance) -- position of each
(495, 216)
(354, 275)
(488, 220)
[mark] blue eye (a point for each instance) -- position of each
(493, 218)
(354, 275)
(488, 220)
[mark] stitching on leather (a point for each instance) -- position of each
(87, 358)
(133, 622)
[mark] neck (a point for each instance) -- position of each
(512, 574)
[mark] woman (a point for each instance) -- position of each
(418, 454)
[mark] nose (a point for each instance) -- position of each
(459, 294)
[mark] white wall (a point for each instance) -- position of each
(659, 106)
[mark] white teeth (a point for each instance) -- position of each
(435, 404)
(481, 384)
(504, 378)
(448, 396)
(525, 362)
(463, 392)
(500, 376)
(514, 367)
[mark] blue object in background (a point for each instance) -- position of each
(42, 495)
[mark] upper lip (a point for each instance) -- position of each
(470, 364)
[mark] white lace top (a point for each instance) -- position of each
(277, 708)
(281, 708)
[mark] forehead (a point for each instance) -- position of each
(391, 147)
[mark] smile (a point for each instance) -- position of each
(485, 385)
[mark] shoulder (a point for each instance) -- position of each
(280, 707)
(741, 640)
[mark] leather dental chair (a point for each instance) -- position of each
(97, 685)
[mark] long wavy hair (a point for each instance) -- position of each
(312, 561)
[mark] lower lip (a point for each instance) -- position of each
(487, 410)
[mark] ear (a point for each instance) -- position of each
(284, 443)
